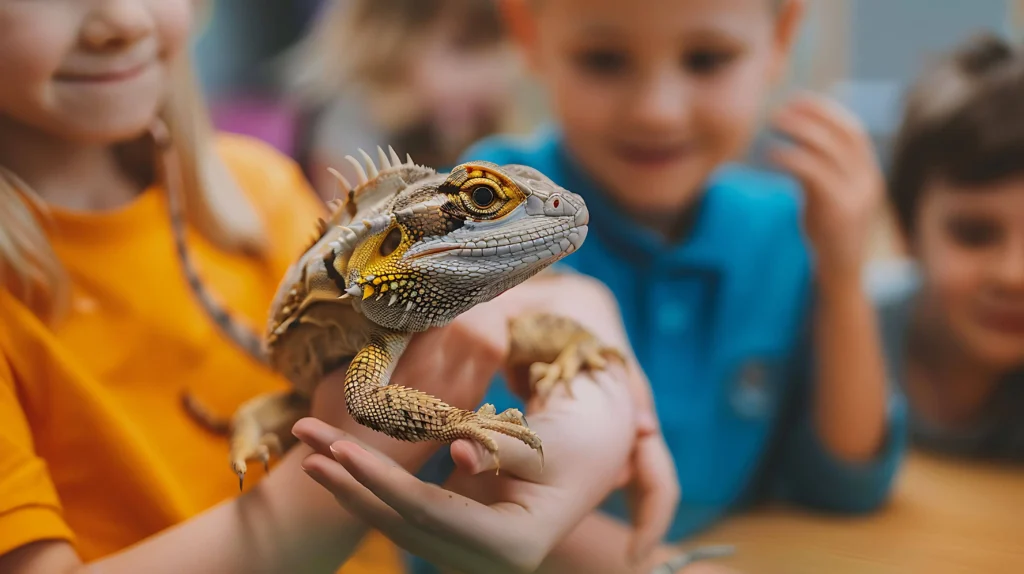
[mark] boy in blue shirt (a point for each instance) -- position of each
(740, 289)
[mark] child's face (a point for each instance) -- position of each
(439, 72)
(88, 70)
(461, 104)
(654, 94)
(971, 248)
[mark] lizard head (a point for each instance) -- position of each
(453, 243)
(410, 248)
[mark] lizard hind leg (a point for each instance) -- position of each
(557, 348)
(261, 428)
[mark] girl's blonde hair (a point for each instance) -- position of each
(213, 203)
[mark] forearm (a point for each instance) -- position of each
(286, 523)
(850, 401)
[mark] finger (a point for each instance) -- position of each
(805, 166)
(359, 501)
(428, 506)
(639, 385)
(837, 118)
(656, 496)
(514, 458)
(318, 434)
(813, 137)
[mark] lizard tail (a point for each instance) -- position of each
(204, 416)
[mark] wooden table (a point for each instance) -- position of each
(945, 516)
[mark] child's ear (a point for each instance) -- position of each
(788, 18)
(521, 23)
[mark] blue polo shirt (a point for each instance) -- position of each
(721, 324)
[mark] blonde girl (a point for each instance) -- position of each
(123, 220)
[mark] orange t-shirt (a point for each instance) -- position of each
(95, 447)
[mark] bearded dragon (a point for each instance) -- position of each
(404, 250)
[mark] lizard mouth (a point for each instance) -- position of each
(435, 250)
(569, 240)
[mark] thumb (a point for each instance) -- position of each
(513, 458)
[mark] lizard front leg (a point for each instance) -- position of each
(411, 415)
(556, 348)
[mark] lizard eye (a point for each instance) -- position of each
(481, 199)
(391, 242)
(482, 196)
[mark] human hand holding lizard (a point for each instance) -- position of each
(602, 416)
(649, 476)
(481, 521)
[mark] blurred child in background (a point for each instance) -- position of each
(740, 289)
(428, 77)
(954, 318)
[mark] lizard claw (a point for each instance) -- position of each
(269, 444)
(251, 439)
(588, 355)
(509, 422)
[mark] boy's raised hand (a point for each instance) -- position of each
(832, 155)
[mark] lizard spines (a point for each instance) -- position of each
(345, 203)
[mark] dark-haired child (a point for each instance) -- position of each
(954, 316)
